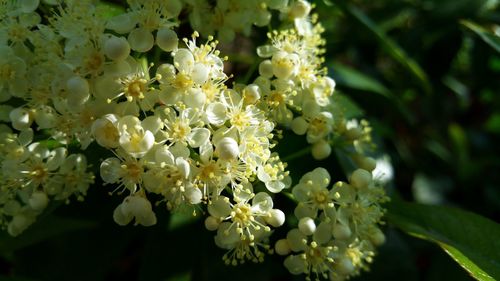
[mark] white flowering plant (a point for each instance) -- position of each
(168, 109)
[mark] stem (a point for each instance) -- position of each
(295, 155)
(290, 196)
(250, 71)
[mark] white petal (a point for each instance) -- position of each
(263, 201)
(219, 207)
(183, 60)
(199, 73)
(110, 170)
(195, 98)
(120, 217)
(163, 155)
(275, 186)
(180, 150)
(216, 113)
(183, 166)
(152, 123)
(194, 195)
(198, 137)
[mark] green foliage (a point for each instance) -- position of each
(471, 240)
(489, 37)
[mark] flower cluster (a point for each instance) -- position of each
(337, 230)
(177, 134)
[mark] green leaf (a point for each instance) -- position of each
(348, 107)
(350, 77)
(471, 240)
(489, 37)
(41, 230)
(392, 49)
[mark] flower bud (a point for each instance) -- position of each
(282, 248)
(361, 178)
(307, 226)
(167, 39)
(299, 9)
(276, 218)
(227, 148)
(211, 223)
(262, 18)
(141, 40)
(18, 224)
(251, 94)
(299, 126)
(116, 48)
(365, 163)
(321, 150)
(38, 201)
(344, 266)
(377, 237)
(78, 91)
(266, 69)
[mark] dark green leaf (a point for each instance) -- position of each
(392, 49)
(43, 229)
(471, 240)
(350, 77)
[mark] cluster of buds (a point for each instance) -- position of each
(175, 130)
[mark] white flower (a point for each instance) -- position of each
(185, 128)
(127, 171)
(134, 139)
(273, 175)
(171, 177)
(244, 224)
(313, 195)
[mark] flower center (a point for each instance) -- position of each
(182, 81)
(242, 215)
(136, 88)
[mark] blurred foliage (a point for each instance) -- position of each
(427, 75)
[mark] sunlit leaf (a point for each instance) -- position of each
(471, 240)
